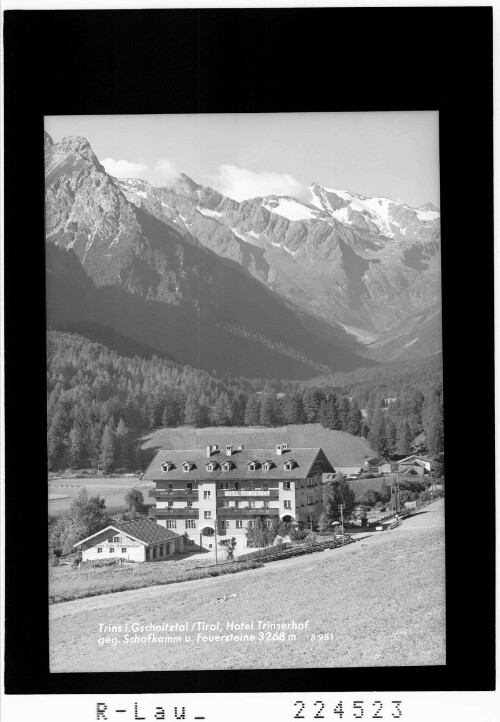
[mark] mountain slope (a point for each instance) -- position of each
(363, 263)
(133, 269)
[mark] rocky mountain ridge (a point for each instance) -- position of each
(139, 269)
(369, 265)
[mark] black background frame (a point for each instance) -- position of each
(261, 60)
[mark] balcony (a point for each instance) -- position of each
(246, 493)
(246, 511)
(181, 512)
(173, 494)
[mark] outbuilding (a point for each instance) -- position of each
(141, 540)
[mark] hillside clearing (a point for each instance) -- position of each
(341, 448)
(380, 602)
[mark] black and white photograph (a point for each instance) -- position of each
(249, 369)
(245, 398)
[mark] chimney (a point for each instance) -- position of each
(240, 447)
(278, 449)
(229, 450)
(209, 451)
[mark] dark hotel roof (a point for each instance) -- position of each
(302, 461)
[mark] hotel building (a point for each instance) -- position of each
(224, 490)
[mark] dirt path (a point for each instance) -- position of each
(386, 590)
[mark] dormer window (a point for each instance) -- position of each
(227, 466)
(187, 465)
(211, 466)
(267, 465)
(252, 465)
(289, 464)
(166, 466)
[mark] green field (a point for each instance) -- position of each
(379, 602)
(360, 486)
(113, 490)
(342, 449)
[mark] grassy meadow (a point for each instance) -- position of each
(379, 602)
(341, 448)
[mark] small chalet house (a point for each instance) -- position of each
(142, 540)
(210, 492)
(415, 464)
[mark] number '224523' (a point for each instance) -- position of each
(360, 710)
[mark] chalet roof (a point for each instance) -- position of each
(414, 458)
(146, 531)
(303, 460)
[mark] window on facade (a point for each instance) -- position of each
(265, 504)
(236, 504)
(251, 504)
(225, 502)
(189, 486)
(171, 524)
(206, 495)
(99, 550)
(251, 524)
(207, 515)
(288, 504)
(190, 523)
(111, 550)
(170, 487)
(170, 504)
(110, 539)
(236, 485)
(310, 500)
(124, 550)
(269, 522)
(117, 538)
(265, 486)
(155, 552)
(190, 504)
(286, 485)
(239, 524)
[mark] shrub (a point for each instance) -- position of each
(311, 538)
(298, 534)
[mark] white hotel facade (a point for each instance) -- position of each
(203, 492)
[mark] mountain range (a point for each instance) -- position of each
(272, 286)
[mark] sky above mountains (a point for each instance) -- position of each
(384, 154)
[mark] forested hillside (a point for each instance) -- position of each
(100, 401)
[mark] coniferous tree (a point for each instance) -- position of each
(312, 398)
(108, 448)
(252, 411)
(405, 438)
(238, 407)
(376, 437)
(390, 434)
(193, 415)
(123, 444)
(355, 419)
(77, 449)
(267, 411)
(222, 412)
(435, 432)
(293, 410)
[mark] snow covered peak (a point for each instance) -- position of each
(288, 207)
(380, 215)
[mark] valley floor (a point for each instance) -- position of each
(378, 602)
